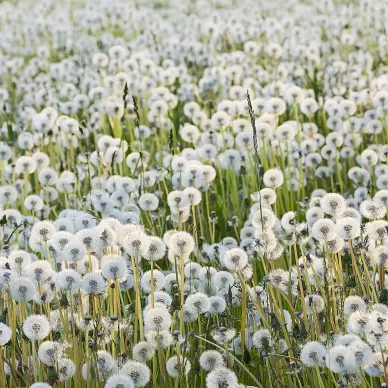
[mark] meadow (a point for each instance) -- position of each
(193, 193)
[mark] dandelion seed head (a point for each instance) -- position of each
(210, 360)
(235, 259)
(221, 377)
(36, 327)
(173, 368)
(323, 230)
(22, 289)
(138, 372)
(93, 283)
(5, 334)
(119, 381)
(313, 353)
(157, 318)
(340, 359)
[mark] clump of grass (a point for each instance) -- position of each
(193, 195)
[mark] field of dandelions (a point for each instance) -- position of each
(193, 193)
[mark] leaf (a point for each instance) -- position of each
(3, 221)
(384, 297)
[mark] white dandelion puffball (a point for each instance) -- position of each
(36, 327)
